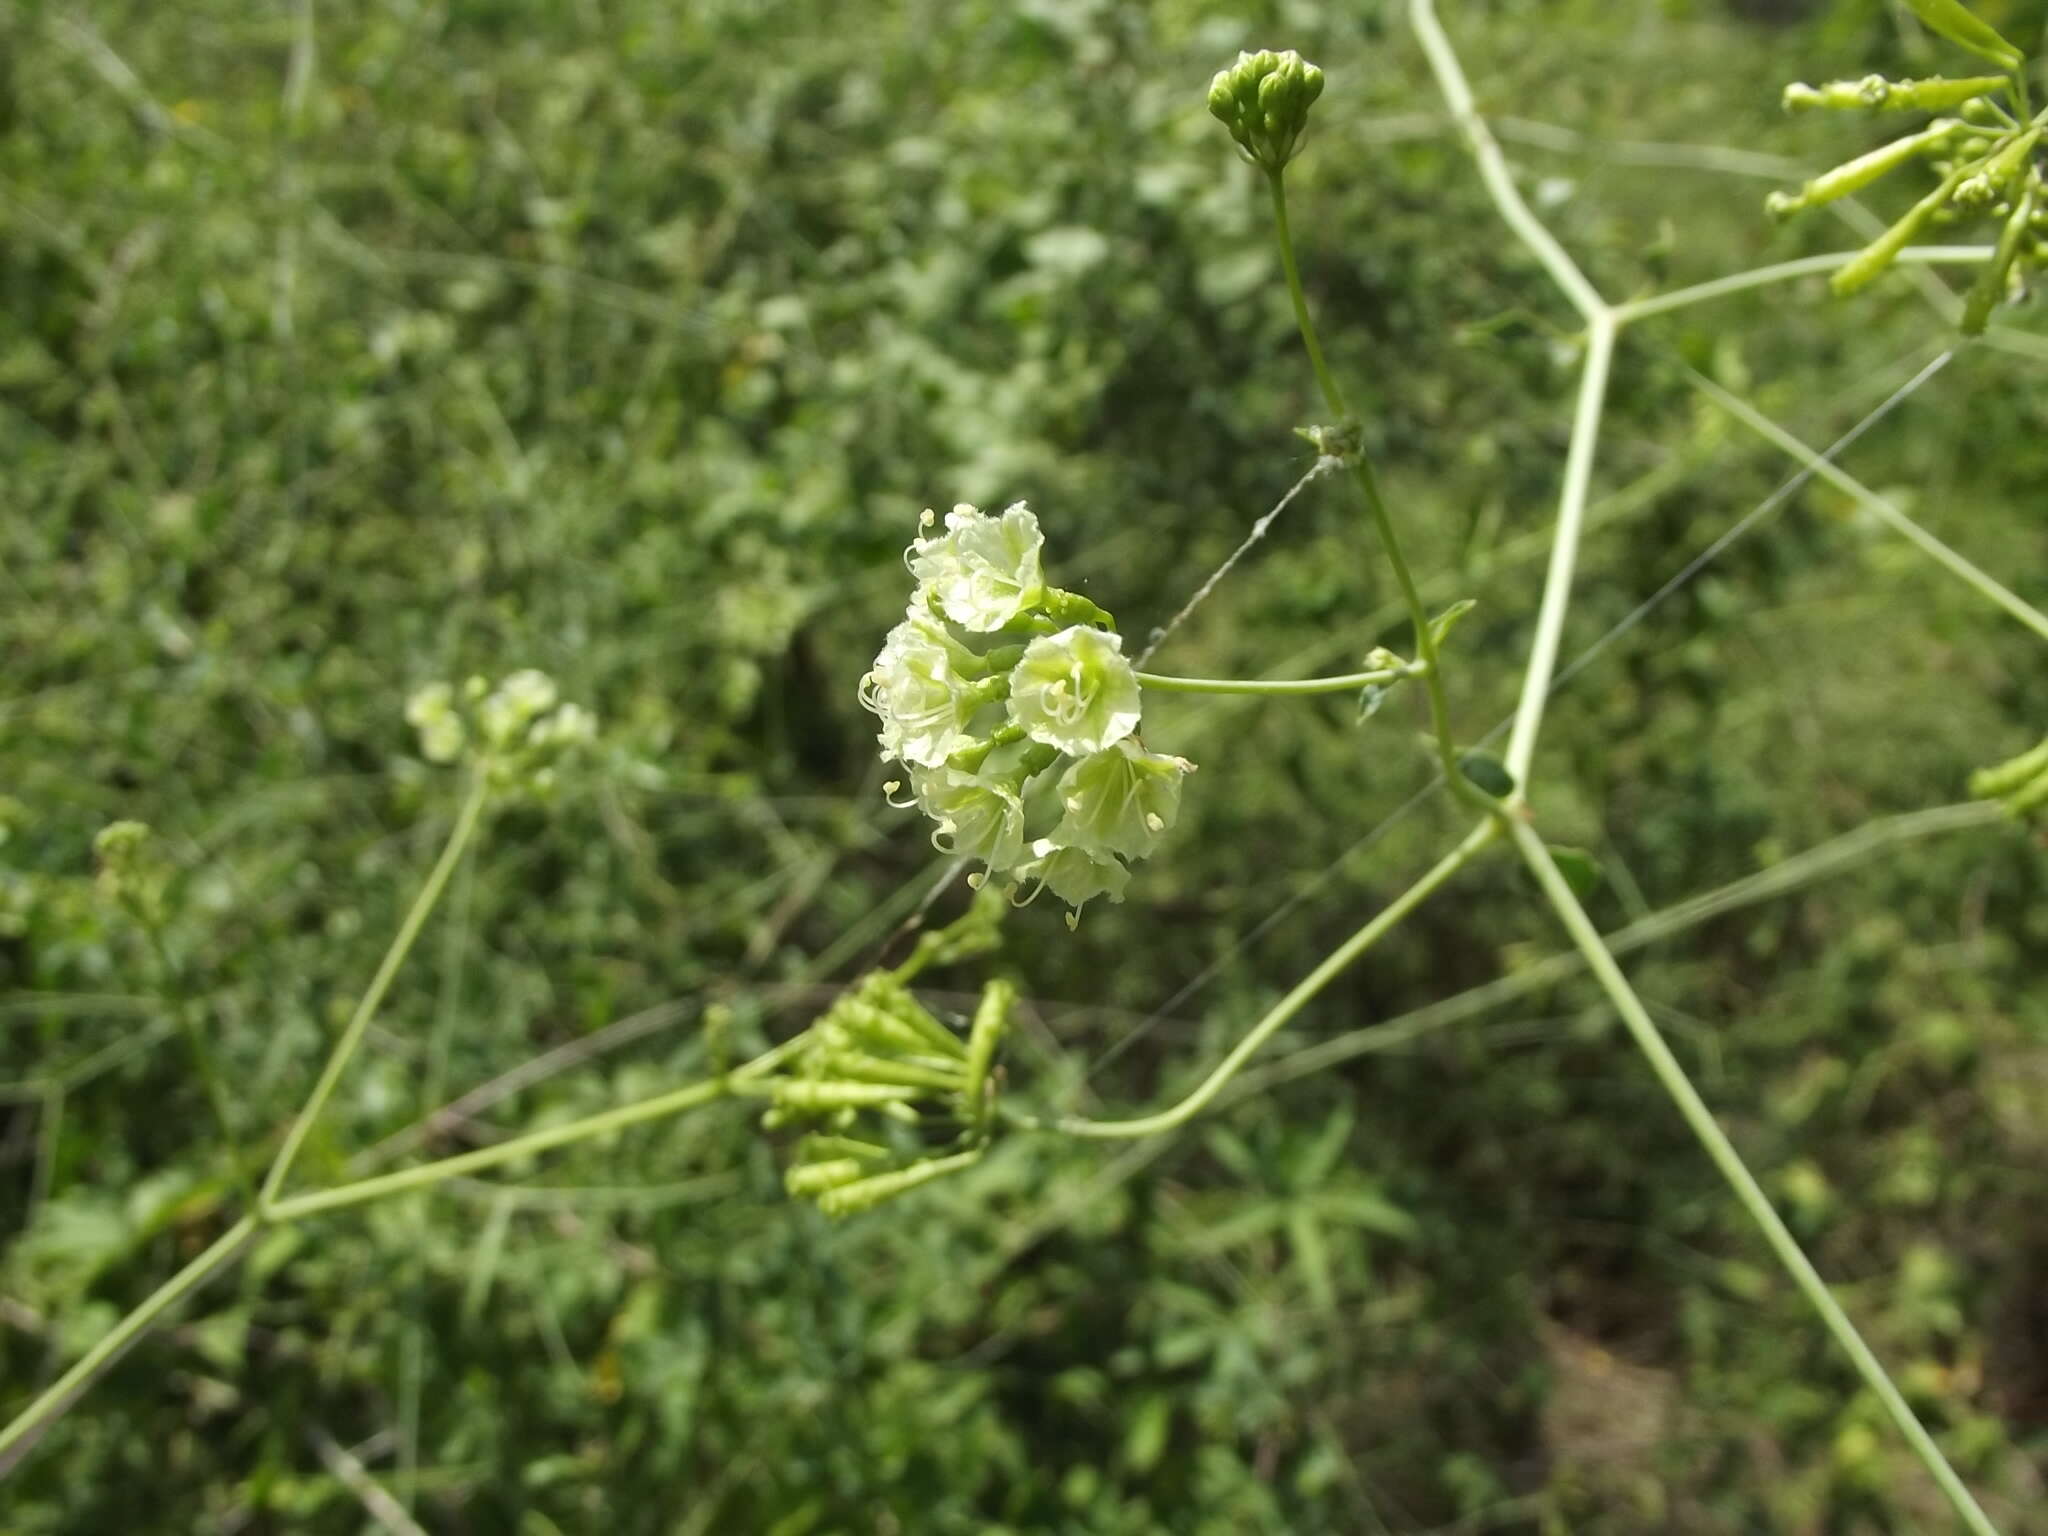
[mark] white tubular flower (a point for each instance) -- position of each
(983, 572)
(1074, 691)
(919, 691)
(515, 704)
(568, 727)
(979, 815)
(1120, 801)
(431, 712)
(1074, 875)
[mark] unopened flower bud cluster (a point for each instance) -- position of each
(2019, 783)
(1014, 712)
(519, 730)
(1263, 99)
(891, 1097)
(1987, 158)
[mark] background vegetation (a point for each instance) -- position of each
(347, 347)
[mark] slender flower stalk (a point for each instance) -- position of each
(466, 821)
(1348, 682)
(1362, 474)
(1303, 993)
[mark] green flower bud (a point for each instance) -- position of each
(881, 990)
(859, 1067)
(2002, 170)
(991, 1021)
(1877, 256)
(1995, 783)
(1996, 281)
(882, 1030)
(1854, 175)
(817, 1148)
(865, 1194)
(984, 572)
(1120, 801)
(1074, 691)
(2029, 797)
(1263, 99)
(803, 1094)
(816, 1178)
(1875, 93)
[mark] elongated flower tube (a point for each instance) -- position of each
(983, 572)
(1075, 875)
(979, 815)
(1074, 691)
(1120, 801)
(924, 688)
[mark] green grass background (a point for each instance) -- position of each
(347, 347)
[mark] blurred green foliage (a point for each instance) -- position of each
(344, 348)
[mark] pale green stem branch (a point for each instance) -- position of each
(1304, 991)
(1883, 510)
(351, 1037)
(58, 1396)
(1671, 1075)
(1800, 870)
(661, 1106)
(1347, 683)
(1564, 549)
(1786, 271)
(1493, 165)
(1361, 469)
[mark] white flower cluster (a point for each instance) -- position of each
(519, 729)
(1011, 706)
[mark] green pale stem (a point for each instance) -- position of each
(1848, 851)
(1671, 1075)
(660, 1107)
(1368, 485)
(1564, 550)
(1303, 993)
(1349, 682)
(17, 1437)
(351, 1037)
(1787, 271)
(1493, 165)
(14, 1439)
(1956, 564)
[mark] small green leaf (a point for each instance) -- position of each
(1447, 621)
(1580, 869)
(1963, 27)
(1145, 1440)
(1370, 698)
(1487, 772)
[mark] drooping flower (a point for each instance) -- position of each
(922, 689)
(514, 704)
(1075, 875)
(979, 815)
(431, 712)
(1120, 801)
(982, 572)
(1074, 691)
